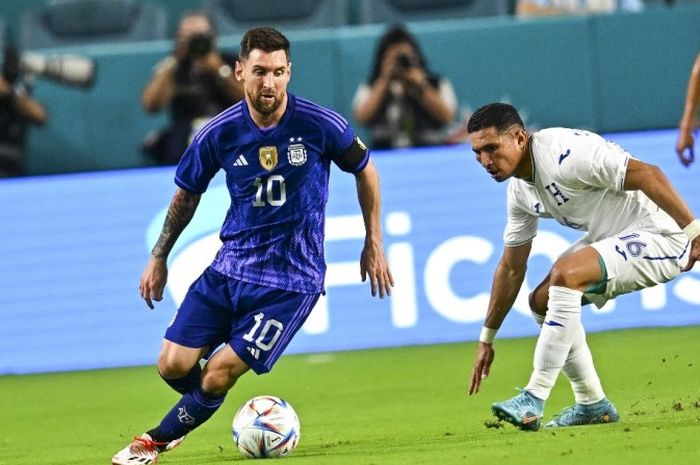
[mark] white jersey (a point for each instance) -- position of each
(578, 180)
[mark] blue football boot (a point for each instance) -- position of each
(602, 411)
(524, 411)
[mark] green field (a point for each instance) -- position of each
(391, 406)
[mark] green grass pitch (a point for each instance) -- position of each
(389, 406)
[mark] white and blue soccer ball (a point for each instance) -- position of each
(266, 426)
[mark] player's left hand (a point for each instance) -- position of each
(153, 280)
(694, 254)
(482, 366)
(373, 263)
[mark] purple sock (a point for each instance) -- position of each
(194, 408)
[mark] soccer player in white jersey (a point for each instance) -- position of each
(639, 232)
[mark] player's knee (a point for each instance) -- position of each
(562, 275)
(173, 367)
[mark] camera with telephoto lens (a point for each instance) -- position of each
(199, 45)
(72, 70)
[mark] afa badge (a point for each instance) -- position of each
(268, 157)
(296, 154)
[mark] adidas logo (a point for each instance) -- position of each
(254, 352)
(240, 161)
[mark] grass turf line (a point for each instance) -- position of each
(387, 406)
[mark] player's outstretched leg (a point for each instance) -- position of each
(143, 450)
(524, 411)
(602, 411)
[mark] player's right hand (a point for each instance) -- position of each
(482, 366)
(153, 281)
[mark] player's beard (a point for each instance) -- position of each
(265, 109)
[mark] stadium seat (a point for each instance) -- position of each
(234, 17)
(72, 22)
(400, 11)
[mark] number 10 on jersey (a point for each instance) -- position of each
(270, 191)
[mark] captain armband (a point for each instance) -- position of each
(693, 229)
(487, 335)
(352, 157)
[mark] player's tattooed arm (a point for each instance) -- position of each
(180, 213)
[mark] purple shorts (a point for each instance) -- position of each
(258, 322)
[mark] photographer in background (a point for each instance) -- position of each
(17, 111)
(404, 104)
(196, 82)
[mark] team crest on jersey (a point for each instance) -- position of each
(296, 154)
(268, 157)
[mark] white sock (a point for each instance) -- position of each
(562, 323)
(539, 319)
(581, 372)
(579, 368)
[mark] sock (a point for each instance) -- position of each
(188, 382)
(556, 337)
(581, 372)
(194, 408)
(539, 319)
(579, 368)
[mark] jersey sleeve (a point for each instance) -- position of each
(600, 163)
(347, 151)
(521, 225)
(198, 165)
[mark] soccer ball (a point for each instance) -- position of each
(266, 426)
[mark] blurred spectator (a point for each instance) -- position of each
(17, 111)
(686, 141)
(196, 82)
(404, 103)
(574, 7)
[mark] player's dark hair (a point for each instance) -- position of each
(266, 39)
(494, 115)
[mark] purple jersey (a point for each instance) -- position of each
(278, 183)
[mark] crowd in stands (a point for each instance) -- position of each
(403, 102)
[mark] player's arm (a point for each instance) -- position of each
(655, 185)
(507, 280)
(687, 124)
(180, 213)
(372, 261)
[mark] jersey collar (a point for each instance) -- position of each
(259, 134)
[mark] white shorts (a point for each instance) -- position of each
(636, 260)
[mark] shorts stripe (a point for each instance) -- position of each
(670, 258)
(292, 328)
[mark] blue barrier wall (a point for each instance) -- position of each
(72, 248)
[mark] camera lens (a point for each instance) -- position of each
(405, 61)
(199, 45)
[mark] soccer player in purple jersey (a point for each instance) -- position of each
(276, 150)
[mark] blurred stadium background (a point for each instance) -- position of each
(72, 245)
